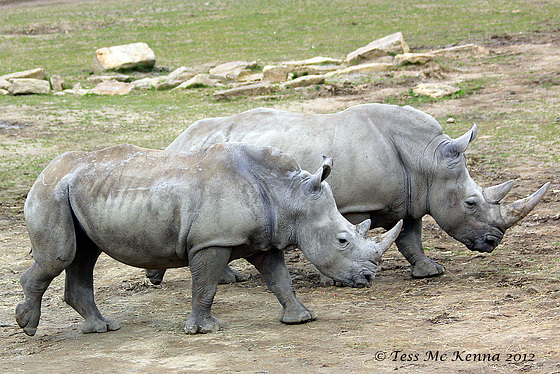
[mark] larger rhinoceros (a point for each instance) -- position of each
(159, 209)
(392, 163)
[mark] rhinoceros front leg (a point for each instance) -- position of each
(228, 276)
(273, 268)
(409, 243)
(206, 267)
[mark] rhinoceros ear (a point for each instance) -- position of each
(496, 193)
(363, 227)
(457, 146)
(321, 174)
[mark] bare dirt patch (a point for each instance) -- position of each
(489, 313)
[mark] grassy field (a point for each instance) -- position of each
(63, 36)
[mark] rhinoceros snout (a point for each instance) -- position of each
(486, 243)
(364, 279)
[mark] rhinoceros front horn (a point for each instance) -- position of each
(388, 238)
(514, 212)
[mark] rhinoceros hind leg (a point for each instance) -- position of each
(273, 268)
(155, 275)
(231, 276)
(78, 290)
(409, 243)
(206, 267)
(35, 282)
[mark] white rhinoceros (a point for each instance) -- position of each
(157, 209)
(391, 162)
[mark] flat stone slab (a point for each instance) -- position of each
(306, 80)
(374, 67)
(248, 90)
(413, 58)
(38, 73)
(199, 80)
(435, 90)
(112, 88)
(390, 44)
(29, 86)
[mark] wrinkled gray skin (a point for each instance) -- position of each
(391, 162)
(156, 209)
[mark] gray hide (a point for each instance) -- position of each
(157, 209)
(391, 162)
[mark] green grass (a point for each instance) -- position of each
(63, 37)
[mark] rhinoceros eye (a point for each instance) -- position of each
(342, 241)
(471, 203)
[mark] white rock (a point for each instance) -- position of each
(38, 73)
(109, 78)
(4, 92)
(57, 83)
(306, 80)
(4, 84)
(234, 70)
(112, 88)
(312, 61)
(381, 47)
(435, 90)
(199, 80)
(29, 86)
(273, 73)
(374, 67)
(130, 56)
(77, 90)
(179, 76)
(256, 77)
(413, 58)
(457, 50)
(262, 88)
(148, 83)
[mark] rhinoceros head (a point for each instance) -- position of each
(337, 248)
(469, 213)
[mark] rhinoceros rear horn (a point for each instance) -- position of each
(389, 237)
(495, 194)
(321, 174)
(457, 146)
(514, 212)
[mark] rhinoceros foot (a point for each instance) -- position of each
(99, 325)
(426, 268)
(207, 325)
(155, 276)
(231, 276)
(295, 316)
(27, 317)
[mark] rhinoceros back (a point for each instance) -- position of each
(376, 149)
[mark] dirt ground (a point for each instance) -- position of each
(489, 313)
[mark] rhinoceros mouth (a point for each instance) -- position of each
(363, 279)
(486, 243)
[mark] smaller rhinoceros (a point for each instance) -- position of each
(159, 209)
